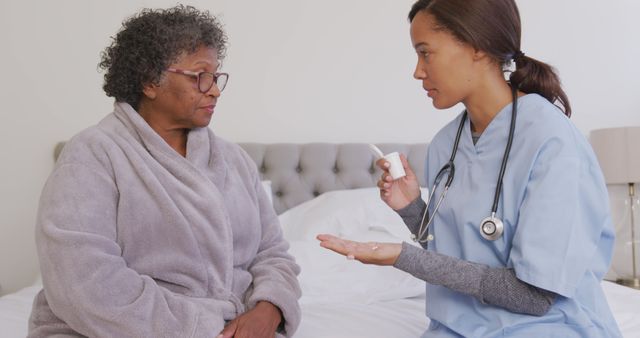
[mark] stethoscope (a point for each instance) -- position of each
(491, 228)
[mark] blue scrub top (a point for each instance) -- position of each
(558, 234)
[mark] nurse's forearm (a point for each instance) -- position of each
(412, 214)
(495, 286)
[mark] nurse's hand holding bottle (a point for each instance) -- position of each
(397, 194)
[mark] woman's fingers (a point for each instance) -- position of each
(229, 330)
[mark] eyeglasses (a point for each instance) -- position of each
(205, 79)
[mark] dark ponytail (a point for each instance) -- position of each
(533, 76)
(493, 26)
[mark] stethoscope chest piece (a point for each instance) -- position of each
(491, 228)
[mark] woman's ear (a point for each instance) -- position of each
(150, 91)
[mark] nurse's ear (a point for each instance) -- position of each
(485, 61)
(479, 55)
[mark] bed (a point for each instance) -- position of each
(330, 188)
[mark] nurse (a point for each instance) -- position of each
(516, 235)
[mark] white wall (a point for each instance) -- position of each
(301, 71)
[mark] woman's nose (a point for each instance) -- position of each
(214, 90)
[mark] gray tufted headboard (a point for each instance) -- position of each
(300, 172)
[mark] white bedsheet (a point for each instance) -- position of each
(396, 318)
(625, 305)
(346, 299)
(322, 318)
(15, 309)
(342, 298)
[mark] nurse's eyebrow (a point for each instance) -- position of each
(420, 44)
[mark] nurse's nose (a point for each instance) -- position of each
(419, 73)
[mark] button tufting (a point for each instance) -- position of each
(316, 193)
(298, 169)
(279, 193)
(336, 170)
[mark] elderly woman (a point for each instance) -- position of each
(150, 225)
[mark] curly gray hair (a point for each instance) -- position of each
(149, 42)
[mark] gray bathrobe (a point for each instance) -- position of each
(135, 240)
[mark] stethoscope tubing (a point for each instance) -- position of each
(424, 228)
(507, 150)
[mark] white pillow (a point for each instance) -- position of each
(344, 213)
(357, 214)
(267, 188)
(326, 276)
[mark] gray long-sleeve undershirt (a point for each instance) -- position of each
(495, 286)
